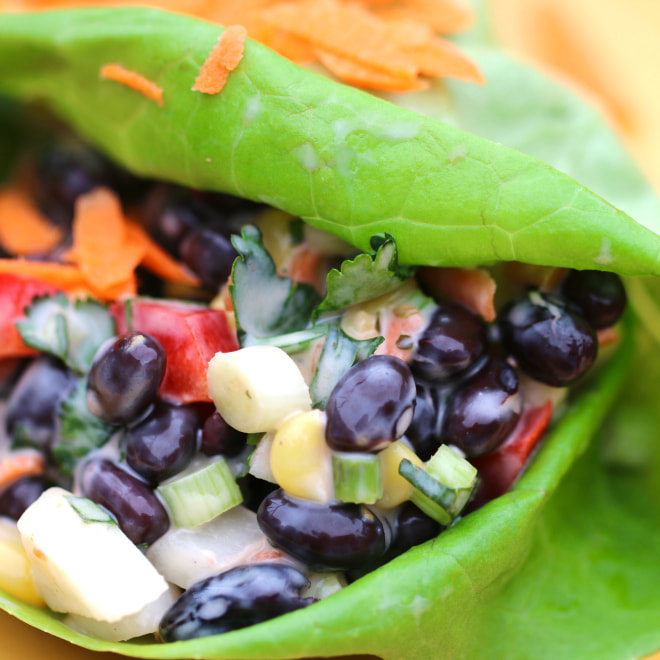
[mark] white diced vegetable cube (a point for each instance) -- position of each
(185, 556)
(256, 388)
(141, 623)
(82, 562)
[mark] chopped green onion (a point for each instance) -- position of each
(443, 487)
(452, 470)
(199, 496)
(89, 511)
(428, 493)
(357, 477)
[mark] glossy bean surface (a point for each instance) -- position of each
(328, 537)
(138, 511)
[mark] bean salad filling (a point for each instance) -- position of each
(257, 414)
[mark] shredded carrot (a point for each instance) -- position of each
(472, 287)
(222, 60)
(24, 230)
(346, 30)
(225, 297)
(406, 322)
(59, 275)
(103, 249)
(133, 80)
(360, 75)
(441, 58)
(334, 32)
(305, 265)
(293, 48)
(361, 48)
(20, 464)
(156, 260)
(107, 248)
(263, 552)
(444, 16)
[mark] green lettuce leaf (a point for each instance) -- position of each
(507, 572)
(317, 149)
(547, 120)
(590, 586)
(365, 277)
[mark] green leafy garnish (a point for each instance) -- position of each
(70, 330)
(265, 303)
(340, 352)
(80, 430)
(365, 277)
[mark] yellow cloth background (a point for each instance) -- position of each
(612, 48)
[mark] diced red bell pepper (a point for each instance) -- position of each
(500, 468)
(17, 293)
(190, 334)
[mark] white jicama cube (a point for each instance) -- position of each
(185, 556)
(82, 562)
(141, 623)
(256, 387)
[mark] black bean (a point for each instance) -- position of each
(328, 537)
(237, 598)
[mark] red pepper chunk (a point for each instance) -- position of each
(17, 293)
(499, 469)
(190, 334)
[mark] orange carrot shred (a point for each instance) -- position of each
(444, 16)
(373, 35)
(133, 80)
(20, 464)
(439, 58)
(305, 265)
(345, 30)
(24, 230)
(222, 60)
(472, 287)
(360, 75)
(293, 48)
(104, 250)
(59, 275)
(156, 260)
(404, 324)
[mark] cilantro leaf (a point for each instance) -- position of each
(340, 352)
(80, 430)
(366, 276)
(70, 330)
(265, 303)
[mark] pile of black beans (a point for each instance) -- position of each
(460, 388)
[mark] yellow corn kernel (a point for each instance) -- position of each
(396, 489)
(15, 575)
(360, 324)
(369, 319)
(301, 460)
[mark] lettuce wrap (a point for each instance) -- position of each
(546, 570)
